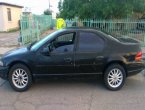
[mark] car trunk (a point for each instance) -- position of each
(130, 44)
(129, 40)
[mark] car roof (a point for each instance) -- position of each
(87, 29)
(81, 28)
(101, 33)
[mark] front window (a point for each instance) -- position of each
(44, 40)
(63, 43)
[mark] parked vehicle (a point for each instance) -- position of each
(73, 51)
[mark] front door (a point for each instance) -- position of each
(61, 56)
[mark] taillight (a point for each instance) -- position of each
(138, 56)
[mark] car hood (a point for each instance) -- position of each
(16, 51)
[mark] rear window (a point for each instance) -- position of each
(90, 42)
(113, 38)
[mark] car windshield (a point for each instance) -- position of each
(44, 40)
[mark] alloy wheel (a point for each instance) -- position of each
(115, 78)
(20, 78)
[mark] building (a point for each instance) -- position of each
(9, 16)
(27, 13)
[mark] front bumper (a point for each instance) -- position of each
(4, 72)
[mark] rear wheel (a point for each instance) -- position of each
(20, 77)
(114, 77)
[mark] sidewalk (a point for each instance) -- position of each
(8, 41)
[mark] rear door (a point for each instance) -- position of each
(89, 53)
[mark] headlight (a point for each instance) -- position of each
(1, 63)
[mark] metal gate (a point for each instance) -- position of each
(31, 26)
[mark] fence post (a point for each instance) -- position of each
(91, 22)
(110, 25)
(30, 30)
(37, 31)
(21, 34)
(144, 38)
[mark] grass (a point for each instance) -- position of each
(13, 30)
(10, 30)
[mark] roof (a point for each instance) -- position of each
(81, 28)
(87, 29)
(13, 5)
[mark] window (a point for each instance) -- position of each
(9, 14)
(90, 42)
(63, 43)
(65, 38)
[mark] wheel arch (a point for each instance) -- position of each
(116, 62)
(19, 62)
(10, 77)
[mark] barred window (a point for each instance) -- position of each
(9, 14)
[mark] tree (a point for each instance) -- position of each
(60, 5)
(47, 12)
(100, 9)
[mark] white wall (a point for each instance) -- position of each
(1, 19)
(6, 25)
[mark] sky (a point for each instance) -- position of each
(36, 6)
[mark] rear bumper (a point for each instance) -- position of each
(135, 68)
(4, 72)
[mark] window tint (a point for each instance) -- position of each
(90, 42)
(65, 38)
(63, 43)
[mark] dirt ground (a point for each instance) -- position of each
(9, 39)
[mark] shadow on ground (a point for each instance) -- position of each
(95, 82)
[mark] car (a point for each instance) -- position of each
(73, 51)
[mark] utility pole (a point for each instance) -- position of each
(49, 4)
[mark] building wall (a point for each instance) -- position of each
(15, 17)
(1, 19)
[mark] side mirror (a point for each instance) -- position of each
(45, 51)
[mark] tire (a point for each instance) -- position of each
(20, 77)
(114, 77)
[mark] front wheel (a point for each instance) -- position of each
(20, 77)
(114, 77)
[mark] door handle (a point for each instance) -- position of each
(67, 60)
